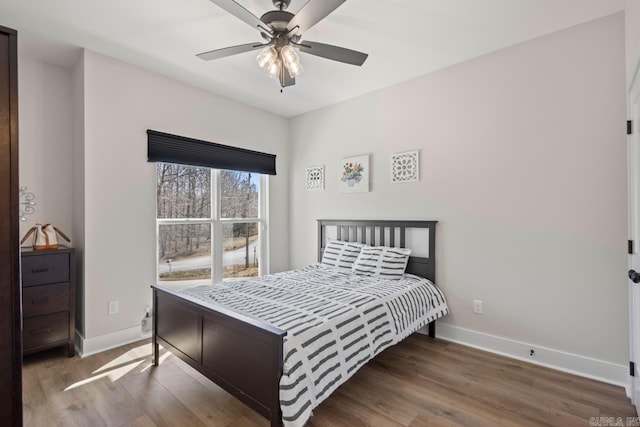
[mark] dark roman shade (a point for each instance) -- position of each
(164, 147)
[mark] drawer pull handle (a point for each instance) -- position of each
(40, 270)
(40, 300)
(40, 331)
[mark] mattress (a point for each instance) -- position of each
(335, 321)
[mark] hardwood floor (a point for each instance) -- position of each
(420, 382)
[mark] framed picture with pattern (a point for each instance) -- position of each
(405, 167)
(315, 178)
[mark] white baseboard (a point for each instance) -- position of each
(556, 359)
(88, 346)
(600, 370)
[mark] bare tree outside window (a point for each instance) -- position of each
(185, 218)
(239, 194)
(185, 251)
(239, 200)
(183, 191)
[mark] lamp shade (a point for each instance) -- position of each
(274, 60)
(291, 61)
(273, 69)
(295, 69)
(289, 55)
(266, 56)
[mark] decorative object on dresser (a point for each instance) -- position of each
(405, 167)
(353, 174)
(44, 236)
(48, 299)
(315, 178)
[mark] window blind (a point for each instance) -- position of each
(165, 147)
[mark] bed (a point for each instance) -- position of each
(263, 352)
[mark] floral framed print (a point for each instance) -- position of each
(315, 178)
(405, 167)
(353, 174)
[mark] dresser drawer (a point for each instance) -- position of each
(45, 299)
(44, 330)
(43, 269)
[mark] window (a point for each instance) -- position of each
(209, 223)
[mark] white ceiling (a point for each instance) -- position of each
(404, 39)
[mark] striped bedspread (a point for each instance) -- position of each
(335, 321)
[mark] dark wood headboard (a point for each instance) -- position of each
(373, 232)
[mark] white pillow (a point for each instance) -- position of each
(341, 255)
(382, 261)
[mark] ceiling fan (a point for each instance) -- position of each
(282, 32)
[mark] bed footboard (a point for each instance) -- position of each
(240, 354)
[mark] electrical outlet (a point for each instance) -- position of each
(477, 307)
(114, 307)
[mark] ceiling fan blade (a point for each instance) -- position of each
(239, 12)
(228, 51)
(312, 13)
(336, 53)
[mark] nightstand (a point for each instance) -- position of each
(48, 299)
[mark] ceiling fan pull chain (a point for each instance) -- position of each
(281, 78)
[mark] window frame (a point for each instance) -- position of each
(217, 224)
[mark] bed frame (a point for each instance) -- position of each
(245, 356)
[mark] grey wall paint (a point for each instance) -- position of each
(45, 93)
(523, 162)
(78, 199)
(75, 125)
(121, 102)
(632, 39)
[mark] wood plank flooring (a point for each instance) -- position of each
(420, 382)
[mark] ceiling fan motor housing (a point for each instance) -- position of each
(277, 19)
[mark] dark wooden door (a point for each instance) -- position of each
(10, 299)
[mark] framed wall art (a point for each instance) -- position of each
(315, 178)
(353, 174)
(405, 167)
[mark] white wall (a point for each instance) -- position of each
(522, 162)
(121, 102)
(77, 188)
(44, 92)
(632, 29)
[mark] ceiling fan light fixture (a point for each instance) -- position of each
(295, 69)
(266, 57)
(291, 61)
(283, 31)
(273, 68)
(289, 55)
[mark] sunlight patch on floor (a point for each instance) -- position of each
(162, 358)
(120, 366)
(113, 375)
